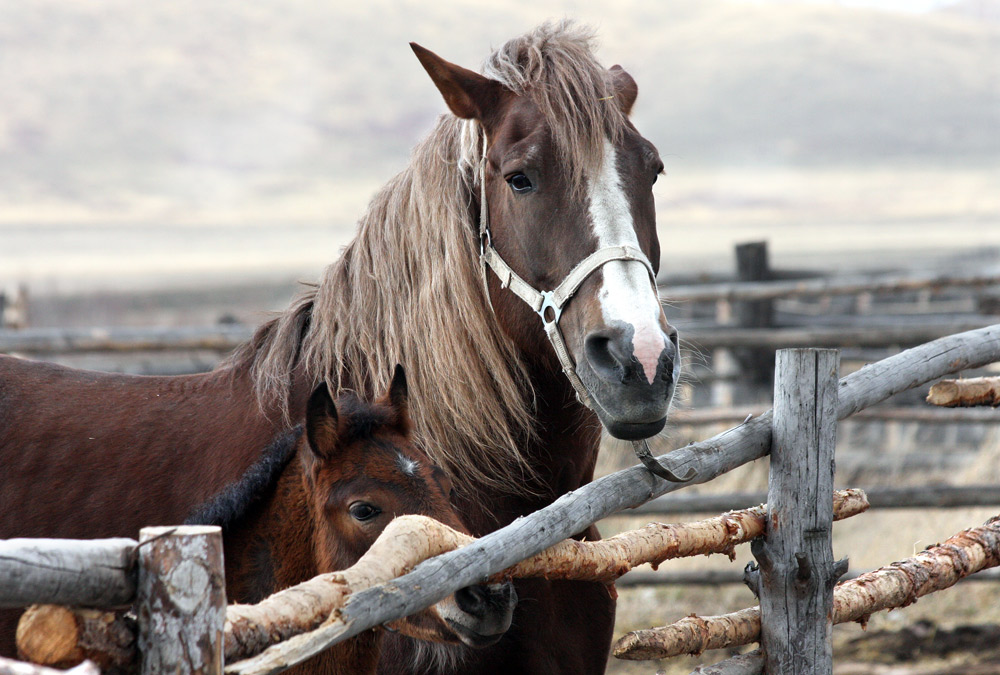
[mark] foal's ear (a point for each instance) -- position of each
(322, 422)
(625, 88)
(468, 94)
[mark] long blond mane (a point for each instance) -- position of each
(408, 290)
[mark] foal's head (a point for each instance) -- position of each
(361, 470)
(566, 175)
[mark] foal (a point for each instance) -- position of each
(316, 501)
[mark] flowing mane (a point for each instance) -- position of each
(408, 288)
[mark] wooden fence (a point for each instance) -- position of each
(173, 576)
(810, 380)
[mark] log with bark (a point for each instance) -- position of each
(966, 393)
(56, 636)
(896, 585)
(68, 636)
(412, 539)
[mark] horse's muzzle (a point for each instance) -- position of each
(487, 611)
(631, 403)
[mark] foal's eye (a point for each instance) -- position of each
(519, 183)
(363, 511)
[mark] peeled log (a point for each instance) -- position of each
(11, 667)
(610, 558)
(408, 540)
(896, 585)
(975, 391)
(60, 637)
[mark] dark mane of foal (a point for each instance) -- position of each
(408, 290)
(232, 503)
(359, 422)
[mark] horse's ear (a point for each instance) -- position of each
(625, 88)
(399, 393)
(468, 94)
(322, 422)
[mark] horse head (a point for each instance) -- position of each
(362, 470)
(567, 224)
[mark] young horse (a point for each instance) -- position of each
(317, 505)
(539, 168)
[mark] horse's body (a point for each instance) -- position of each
(316, 504)
(546, 140)
(88, 455)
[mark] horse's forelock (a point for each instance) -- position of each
(554, 65)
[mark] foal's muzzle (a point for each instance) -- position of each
(486, 613)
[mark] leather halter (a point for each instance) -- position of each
(549, 305)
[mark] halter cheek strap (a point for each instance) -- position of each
(549, 304)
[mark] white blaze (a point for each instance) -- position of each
(626, 293)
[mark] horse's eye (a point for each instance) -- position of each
(363, 511)
(519, 183)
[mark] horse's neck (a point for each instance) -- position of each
(270, 547)
(564, 454)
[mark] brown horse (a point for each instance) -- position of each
(317, 505)
(539, 167)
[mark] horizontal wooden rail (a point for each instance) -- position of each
(43, 341)
(68, 341)
(83, 573)
(826, 336)
(923, 415)
(935, 496)
(641, 577)
(772, 290)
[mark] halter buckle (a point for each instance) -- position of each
(485, 242)
(548, 302)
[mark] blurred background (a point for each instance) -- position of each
(185, 164)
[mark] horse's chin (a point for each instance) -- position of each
(633, 431)
(471, 638)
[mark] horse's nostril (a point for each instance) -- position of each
(606, 354)
(472, 600)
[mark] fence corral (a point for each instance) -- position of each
(425, 584)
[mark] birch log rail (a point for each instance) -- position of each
(896, 585)
(67, 636)
(974, 391)
(409, 540)
(433, 580)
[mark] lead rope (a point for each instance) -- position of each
(549, 305)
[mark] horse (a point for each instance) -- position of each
(536, 167)
(316, 501)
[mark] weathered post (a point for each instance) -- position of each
(756, 364)
(797, 570)
(181, 601)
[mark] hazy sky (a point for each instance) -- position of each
(888, 5)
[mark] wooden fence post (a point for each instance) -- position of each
(756, 363)
(797, 570)
(181, 601)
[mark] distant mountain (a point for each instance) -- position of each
(110, 103)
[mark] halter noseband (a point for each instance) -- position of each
(549, 305)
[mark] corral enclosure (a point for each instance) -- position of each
(851, 140)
